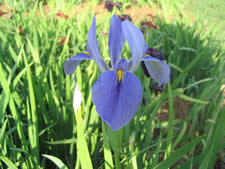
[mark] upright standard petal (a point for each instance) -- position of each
(117, 103)
(93, 49)
(92, 43)
(158, 70)
(116, 39)
(136, 42)
(71, 64)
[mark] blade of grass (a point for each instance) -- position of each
(170, 122)
(5, 93)
(210, 153)
(82, 148)
(8, 162)
(56, 161)
(191, 99)
(175, 156)
(15, 115)
(3, 138)
(32, 116)
(107, 150)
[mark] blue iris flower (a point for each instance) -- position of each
(117, 93)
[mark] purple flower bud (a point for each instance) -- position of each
(109, 5)
(159, 54)
(118, 5)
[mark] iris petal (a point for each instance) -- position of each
(159, 70)
(92, 43)
(93, 49)
(136, 43)
(121, 64)
(117, 103)
(71, 64)
(116, 39)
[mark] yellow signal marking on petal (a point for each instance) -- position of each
(119, 74)
(146, 55)
(86, 52)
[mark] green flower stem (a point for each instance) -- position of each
(115, 139)
(117, 160)
(107, 149)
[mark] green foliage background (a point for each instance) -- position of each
(38, 126)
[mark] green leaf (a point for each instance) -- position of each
(218, 137)
(175, 156)
(170, 122)
(107, 149)
(82, 146)
(115, 138)
(4, 97)
(55, 160)
(65, 141)
(8, 162)
(32, 116)
(191, 99)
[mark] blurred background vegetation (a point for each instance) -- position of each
(180, 126)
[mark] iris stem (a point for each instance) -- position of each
(115, 139)
(117, 160)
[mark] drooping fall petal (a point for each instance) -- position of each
(71, 64)
(117, 103)
(159, 70)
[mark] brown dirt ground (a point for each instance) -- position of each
(136, 13)
(181, 109)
